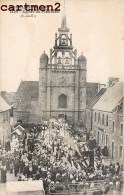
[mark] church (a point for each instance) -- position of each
(62, 79)
(62, 90)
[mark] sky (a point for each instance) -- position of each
(97, 31)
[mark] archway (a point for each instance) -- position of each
(62, 101)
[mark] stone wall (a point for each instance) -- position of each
(54, 83)
(21, 115)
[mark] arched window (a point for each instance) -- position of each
(59, 60)
(63, 39)
(67, 60)
(62, 101)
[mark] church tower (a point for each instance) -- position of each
(62, 79)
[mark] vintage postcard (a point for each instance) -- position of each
(61, 97)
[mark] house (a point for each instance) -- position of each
(107, 125)
(89, 109)
(5, 121)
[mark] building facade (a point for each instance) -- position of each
(62, 80)
(107, 124)
(5, 121)
(89, 109)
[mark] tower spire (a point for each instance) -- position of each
(64, 23)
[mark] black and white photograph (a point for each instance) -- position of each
(61, 97)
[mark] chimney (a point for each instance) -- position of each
(101, 86)
(112, 81)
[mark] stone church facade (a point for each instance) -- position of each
(62, 80)
(62, 90)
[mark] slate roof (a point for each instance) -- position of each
(4, 106)
(120, 107)
(8, 96)
(28, 90)
(91, 91)
(110, 98)
(96, 98)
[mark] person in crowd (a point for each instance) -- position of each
(3, 174)
(55, 162)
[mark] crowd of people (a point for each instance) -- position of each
(55, 162)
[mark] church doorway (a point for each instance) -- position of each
(62, 101)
